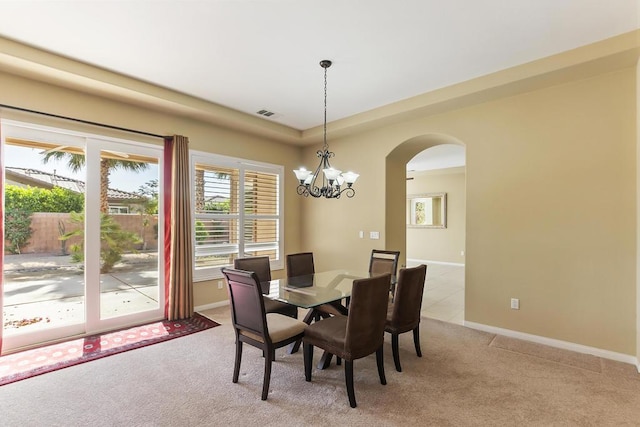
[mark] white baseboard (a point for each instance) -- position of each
(426, 261)
(579, 348)
(212, 305)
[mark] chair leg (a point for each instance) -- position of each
(396, 352)
(416, 340)
(348, 377)
(380, 362)
(236, 367)
(267, 373)
(307, 349)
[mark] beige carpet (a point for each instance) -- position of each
(569, 358)
(465, 378)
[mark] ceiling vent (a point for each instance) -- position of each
(269, 114)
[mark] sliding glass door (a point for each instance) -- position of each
(82, 234)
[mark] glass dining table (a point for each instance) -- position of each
(313, 290)
(322, 293)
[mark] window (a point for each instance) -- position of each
(118, 209)
(237, 208)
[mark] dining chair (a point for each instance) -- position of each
(260, 265)
(254, 326)
(403, 314)
(384, 262)
(356, 335)
(300, 264)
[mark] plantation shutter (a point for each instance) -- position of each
(216, 215)
(237, 213)
(261, 214)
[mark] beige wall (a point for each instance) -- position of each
(29, 94)
(440, 244)
(550, 207)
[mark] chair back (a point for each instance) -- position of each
(247, 306)
(300, 264)
(258, 264)
(407, 301)
(367, 315)
(384, 262)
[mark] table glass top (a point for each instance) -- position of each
(314, 289)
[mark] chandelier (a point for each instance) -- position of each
(332, 179)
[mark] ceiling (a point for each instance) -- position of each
(251, 55)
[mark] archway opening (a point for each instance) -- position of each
(426, 217)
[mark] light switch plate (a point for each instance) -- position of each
(374, 235)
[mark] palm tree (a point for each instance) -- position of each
(77, 161)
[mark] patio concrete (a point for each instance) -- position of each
(51, 287)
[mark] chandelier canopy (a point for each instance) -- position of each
(332, 180)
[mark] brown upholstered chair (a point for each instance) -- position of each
(252, 325)
(300, 264)
(354, 336)
(384, 262)
(403, 314)
(260, 265)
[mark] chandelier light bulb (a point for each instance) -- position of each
(302, 174)
(350, 177)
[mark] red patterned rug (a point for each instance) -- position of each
(29, 363)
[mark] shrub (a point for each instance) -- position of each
(17, 229)
(35, 199)
(114, 241)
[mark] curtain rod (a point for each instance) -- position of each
(87, 122)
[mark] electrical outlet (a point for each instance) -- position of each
(515, 304)
(220, 284)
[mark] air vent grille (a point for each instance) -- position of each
(267, 113)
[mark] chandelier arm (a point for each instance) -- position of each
(349, 191)
(314, 190)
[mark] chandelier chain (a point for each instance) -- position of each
(325, 146)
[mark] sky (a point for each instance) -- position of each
(22, 157)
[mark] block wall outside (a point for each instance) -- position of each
(45, 237)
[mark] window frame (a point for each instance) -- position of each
(218, 160)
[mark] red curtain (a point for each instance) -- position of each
(178, 255)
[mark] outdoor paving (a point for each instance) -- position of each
(51, 287)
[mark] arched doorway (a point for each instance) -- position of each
(426, 181)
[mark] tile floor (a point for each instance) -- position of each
(443, 292)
